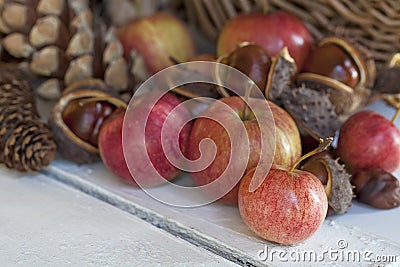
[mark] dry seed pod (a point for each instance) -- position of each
(387, 82)
(195, 89)
(313, 111)
(336, 181)
(26, 143)
(272, 75)
(280, 76)
(340, 70)
(77, 116)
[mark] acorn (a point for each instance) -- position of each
(77, 117)
(336, 181)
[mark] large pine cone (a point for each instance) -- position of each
(63, 41)
(26, 142)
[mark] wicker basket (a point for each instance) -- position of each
(374, 24)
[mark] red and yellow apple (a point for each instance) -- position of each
(157, 38)
(288, 207)
(288, 144)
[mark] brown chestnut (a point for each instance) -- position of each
(272, 75)
(77, 117)
(377, 188)
(341, 70)
(336, 181)
(332, 61)
(252, 60)
(85, 118)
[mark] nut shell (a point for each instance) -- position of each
(336, 181)
(313, 111)
(387, 82)
(70, 146)
(346, 99)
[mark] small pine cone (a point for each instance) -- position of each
(63, 41)
(26, 142)
(30, 147)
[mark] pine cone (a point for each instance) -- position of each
(26, 143)
(63, 41)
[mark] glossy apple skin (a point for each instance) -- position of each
(271, 31)
(112, 152)
(110, 146)
(287, 208)
(157, 38)
(367, 140)
(288, 144)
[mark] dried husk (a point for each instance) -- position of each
(70, 146)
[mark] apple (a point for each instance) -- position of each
(110, 146)
(288, 144)
(157, 38)
(272, 31)
(113, 150)
(288, 207)
(367, 140)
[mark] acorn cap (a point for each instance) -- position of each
(313, 111)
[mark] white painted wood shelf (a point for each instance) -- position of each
(45, 223)
(220, 229)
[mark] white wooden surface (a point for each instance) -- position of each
(220, 229)
(45, 223)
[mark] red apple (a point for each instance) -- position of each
(288, 207)
(112, 149)
(288, 144)
(157, 38)
(272, 31)
(110, 146)
(367, 140)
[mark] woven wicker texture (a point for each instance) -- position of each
(374, 24)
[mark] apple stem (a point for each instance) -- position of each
(115, 101)
(246, 99)
(396, 115)
(174, 60)
(265, 7)
(323, 145)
